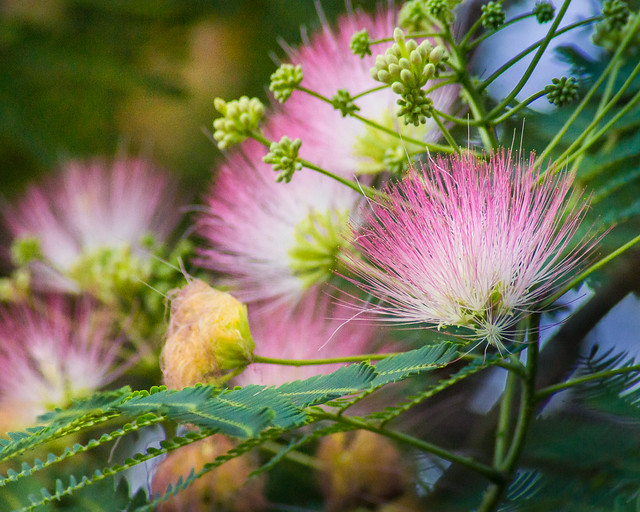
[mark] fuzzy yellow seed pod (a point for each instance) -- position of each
(208, 337)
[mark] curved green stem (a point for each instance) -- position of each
(504, 420)
(486, 35)
(602, 113)
(332, 360)
(488, 472)
(410, 140)
(363, 190)
(458, 120)
(531, 48)
(519, 107)
(369, 91)
(534, 62)
(446, 133)
(583, 275)
(605, 73)
(476, 104)
(495, 492)
(556, 388)
(605, 129)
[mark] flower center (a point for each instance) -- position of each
(318, 239)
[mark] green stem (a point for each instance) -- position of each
(495, 492)
(603, 131)
(583, 275)
(421, 143)
(332, 360)
(504, 420)
(446, 133)
(490, 473)
(295, 456)
(369, 91)
(551, 390)
(531, 48)
(476, 105)
(457, 120)
(486, 35)
(519, 107)
(472, 30)
(534, 62)
(603, 112)
(363, 190)
(605, 73)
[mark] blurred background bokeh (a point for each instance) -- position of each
(86, 78)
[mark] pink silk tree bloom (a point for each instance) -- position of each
(345, 145)
(469, 243)
(51, 353)
(88, 210)
(272, 240)
(313, 329)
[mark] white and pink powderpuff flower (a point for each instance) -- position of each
(90, 207)
(318, 327)
(345, 145)
(468, 243)
(272, 241)
(51, 353)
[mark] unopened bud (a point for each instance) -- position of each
(208, 335)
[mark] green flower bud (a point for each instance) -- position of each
(360, 43)
(415, 107)
(239, 119)
(616, 13)
(284, 80)
(544, 11)
(562, 91)
(409, 63)
(284, 158)
(493, 16)
(440, 10)
(343, 102)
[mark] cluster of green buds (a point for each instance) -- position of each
(239, 119)
(283, 156)
(611, 30)
(562, 91)
(544, 11)
(360, 43)
(285, 80)
(493, 15)
(406, 67)
(343, 101)
(423, 15)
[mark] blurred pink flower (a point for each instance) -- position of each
(345, 145)
(469, 243)
(314, 329)
(90, 207)
(51, 353)
(272, 240)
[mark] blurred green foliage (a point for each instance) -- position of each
(84, 78)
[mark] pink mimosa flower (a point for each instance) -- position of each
(313, 329)
(345, 145)
(470, 244)
(50, 354)
(272, 240)
(92, 207)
